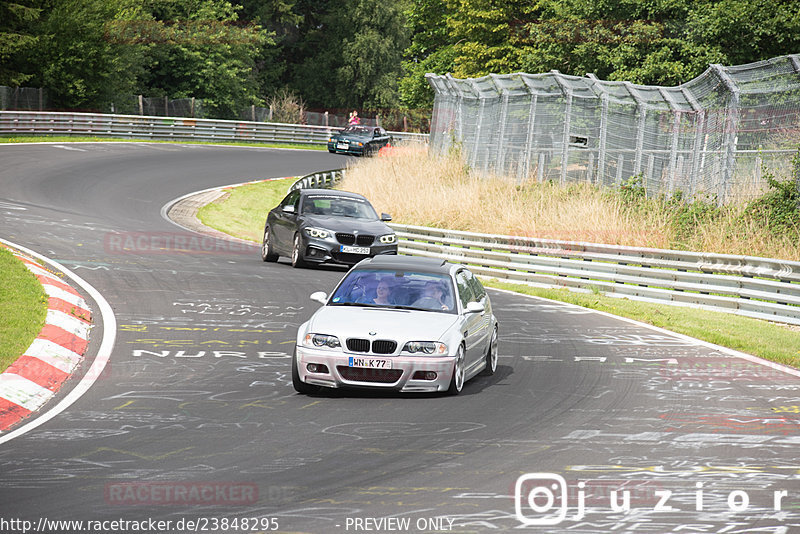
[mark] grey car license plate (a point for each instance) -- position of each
(354, 250)
(343, 146)
(370, 363)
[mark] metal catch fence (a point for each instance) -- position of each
(708, 137)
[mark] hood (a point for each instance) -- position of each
(399, 325)
(347, 224)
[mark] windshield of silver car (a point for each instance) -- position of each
(396, 289)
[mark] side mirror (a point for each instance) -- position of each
(475, 307)
(385, 217)
(320, 296)
(288, 209)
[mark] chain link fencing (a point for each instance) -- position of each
(711, 137)
(23, 98)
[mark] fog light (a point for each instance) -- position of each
(424, 375)
(317, 368)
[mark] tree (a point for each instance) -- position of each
(78, 59)
(430, 51)
(351, 53)
(16, 38)
(281, 20)
(200, 50)
(656, 42)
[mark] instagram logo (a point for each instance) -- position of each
(535, 498)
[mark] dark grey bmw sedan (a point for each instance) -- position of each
(313, 226)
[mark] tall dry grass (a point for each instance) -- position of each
(440, 191)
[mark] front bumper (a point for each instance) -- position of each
(317, 250)
(340, 374)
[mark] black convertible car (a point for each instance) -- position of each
(314, 226)
(359, 140)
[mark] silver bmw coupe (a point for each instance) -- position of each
(398, 322)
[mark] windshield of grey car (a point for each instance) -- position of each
(357, 130)
(338, 206)
(384, 288)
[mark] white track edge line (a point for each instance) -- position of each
(684, 337)
(168, 206)
(100, 361)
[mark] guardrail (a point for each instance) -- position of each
(756, 287)
(323, 180)
(166, 128)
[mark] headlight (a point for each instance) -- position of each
(330, 139)
(317, 232)
(321, 341)
(388, 239)
(360, 144)
(425, 347)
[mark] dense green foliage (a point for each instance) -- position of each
(367, 53)
(662, 42)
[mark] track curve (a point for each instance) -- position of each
(198, 393)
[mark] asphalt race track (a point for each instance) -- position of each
(195, 422)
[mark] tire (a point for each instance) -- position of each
(491, 356)
(299, 385)
(457, 382)
(297, 257)
(267, 252)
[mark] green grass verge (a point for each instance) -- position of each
(242, 213)
(24, 306)
(770, 341)
(77, 139)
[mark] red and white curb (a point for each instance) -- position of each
(35, 377)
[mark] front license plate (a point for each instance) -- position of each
(343, 146)
(355, 250)
(370, 363)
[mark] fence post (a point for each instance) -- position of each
(166, 106)
(699, 125)
(601, 150)
(567, 119)
(731, 123)
(673, 150)
(641, 108)
(191, 111)
(326, 118)
(540, 169)
(500, 158)
(478, 132)
(41, 98)
(141, 105)
(531, 138)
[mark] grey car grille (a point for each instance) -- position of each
(363, 240)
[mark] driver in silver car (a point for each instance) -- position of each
(433, 297)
